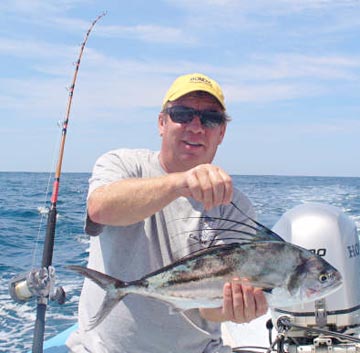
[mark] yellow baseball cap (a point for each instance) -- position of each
(191, 83)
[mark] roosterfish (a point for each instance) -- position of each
(288, 274)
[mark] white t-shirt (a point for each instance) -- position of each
(140, 324)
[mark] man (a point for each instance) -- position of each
(148, 208)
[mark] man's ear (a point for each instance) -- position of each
(222, 133)
(161, 123)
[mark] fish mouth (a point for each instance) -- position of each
(311, 292)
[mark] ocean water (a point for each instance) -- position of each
(24, 198)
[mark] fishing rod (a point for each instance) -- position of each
(39, 283)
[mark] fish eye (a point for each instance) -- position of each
(323, 277)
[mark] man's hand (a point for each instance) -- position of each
(242, 303)
(208, 184)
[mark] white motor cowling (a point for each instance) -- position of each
(328, 232)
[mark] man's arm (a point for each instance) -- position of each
(128, 201)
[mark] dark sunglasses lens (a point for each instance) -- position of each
(212, 119)
(180, 115)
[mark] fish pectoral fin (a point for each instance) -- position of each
(107, 305)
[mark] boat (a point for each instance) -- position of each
(56, 344)
(249, 336)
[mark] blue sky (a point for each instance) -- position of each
(290, 71)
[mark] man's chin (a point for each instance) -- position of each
(191, 161)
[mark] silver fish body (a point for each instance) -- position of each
(287, 273)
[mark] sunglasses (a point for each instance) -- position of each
(185, 115)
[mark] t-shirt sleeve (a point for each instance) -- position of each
(113, 166)
(110, 167)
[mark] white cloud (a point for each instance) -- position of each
(270, 92)
(331, 127)
(305, 5)
(147, 33)
(257, 77)
(320, 16)
(35, 49)
(268, 7)
(293, 66)
(36, 7)
(109, 83)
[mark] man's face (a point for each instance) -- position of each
(185, 146)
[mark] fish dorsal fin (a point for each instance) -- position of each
(244, 230)
(261, 228)
(255, 233)
(209, 249)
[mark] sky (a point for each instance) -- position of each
(289, 69)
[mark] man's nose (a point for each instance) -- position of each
(195, 125)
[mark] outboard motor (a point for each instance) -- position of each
(328, 232)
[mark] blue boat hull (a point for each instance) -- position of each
(56, 344)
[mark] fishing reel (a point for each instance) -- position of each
(39, 283)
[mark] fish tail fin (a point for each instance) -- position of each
(107, 305)
(104, 281)
(111, 285)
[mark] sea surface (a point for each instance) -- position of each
(24, 198)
